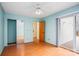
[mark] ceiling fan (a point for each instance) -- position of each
(38, 10)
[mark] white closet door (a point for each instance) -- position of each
(77, 32)
(66, 29)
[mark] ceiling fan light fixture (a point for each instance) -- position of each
(38, 11)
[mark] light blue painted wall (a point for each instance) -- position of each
(1, 30)
(50, 29)
(28, 28)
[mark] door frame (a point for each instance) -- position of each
(57, 31)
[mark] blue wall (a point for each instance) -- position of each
(50, 29)
(1, 30)
(28, 27)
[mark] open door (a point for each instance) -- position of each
(20, 31)
(41, 31)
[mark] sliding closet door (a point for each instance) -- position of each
(66, 32)
(77, 32)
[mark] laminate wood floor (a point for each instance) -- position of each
(36, 49)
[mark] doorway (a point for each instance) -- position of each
(35, 32)
(38, 31)
(11, 31)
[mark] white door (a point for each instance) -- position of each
(20, 31)
(77, 32)
(66, 30)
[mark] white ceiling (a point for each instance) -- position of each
(29, 8)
